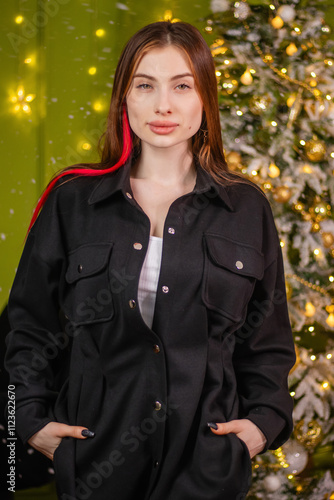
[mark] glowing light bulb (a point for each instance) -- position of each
(28, 60)
(19, 19)
(92, 70)
(311, 329)
(329, 356)
(100, 32)
(239, 112)
(227, 62)
(274, 124)
(218, 73)
(97, 106)
(86, 146)
(325, 385)
(284, 70)
(313, 357)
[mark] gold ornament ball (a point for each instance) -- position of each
(291, 49)
(259, 104)
(273, 170)
(277, 23)
(282, 194)
(315, 150)
(328, 239)
(309, 435)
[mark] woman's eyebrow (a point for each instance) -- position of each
(149, 77)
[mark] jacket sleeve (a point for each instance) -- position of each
(33, 352)
(264, 352)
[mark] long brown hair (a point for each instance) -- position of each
(118, 141)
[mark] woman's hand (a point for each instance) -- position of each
(247, 431)
(49, 437)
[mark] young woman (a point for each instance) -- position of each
(151, 342)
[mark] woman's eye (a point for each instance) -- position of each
(183, 86)
(144, 86)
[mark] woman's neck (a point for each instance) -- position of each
(166, 166)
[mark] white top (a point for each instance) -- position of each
(148, 280)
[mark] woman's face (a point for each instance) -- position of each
(164, 107)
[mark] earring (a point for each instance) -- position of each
(205, 134)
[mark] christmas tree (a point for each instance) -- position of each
(275, 75)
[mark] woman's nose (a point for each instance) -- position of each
(163, 104)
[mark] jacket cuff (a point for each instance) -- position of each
(30, 418)
(274, 427)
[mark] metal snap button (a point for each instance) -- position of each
(137, 246)
(171, 230)
(157, 405)
(165, 289)
(239, 264)
(129, 195)
(132, 303)
(80, 268)
(156, 348)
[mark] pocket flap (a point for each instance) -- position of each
(87, 260)
(235, 256)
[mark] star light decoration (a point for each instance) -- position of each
(22, 101)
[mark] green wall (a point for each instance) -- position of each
(59, 37)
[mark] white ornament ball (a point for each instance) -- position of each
(296, 456)
(219, 5)
(287, 13)
(272, 483)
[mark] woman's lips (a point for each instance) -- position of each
(162, 127)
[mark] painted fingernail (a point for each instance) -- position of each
(213, 426)
(87, 433)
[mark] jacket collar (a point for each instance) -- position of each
(119, 181)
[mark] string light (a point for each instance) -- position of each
(313, 357)
(21, 100)
(92, 70)
(100, 32)
(97, 106)
(19, 19)
(325, 385)
(239, 113)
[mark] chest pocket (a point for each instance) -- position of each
(230, 271)
(88, 297)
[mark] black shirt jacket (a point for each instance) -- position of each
(220, 347)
